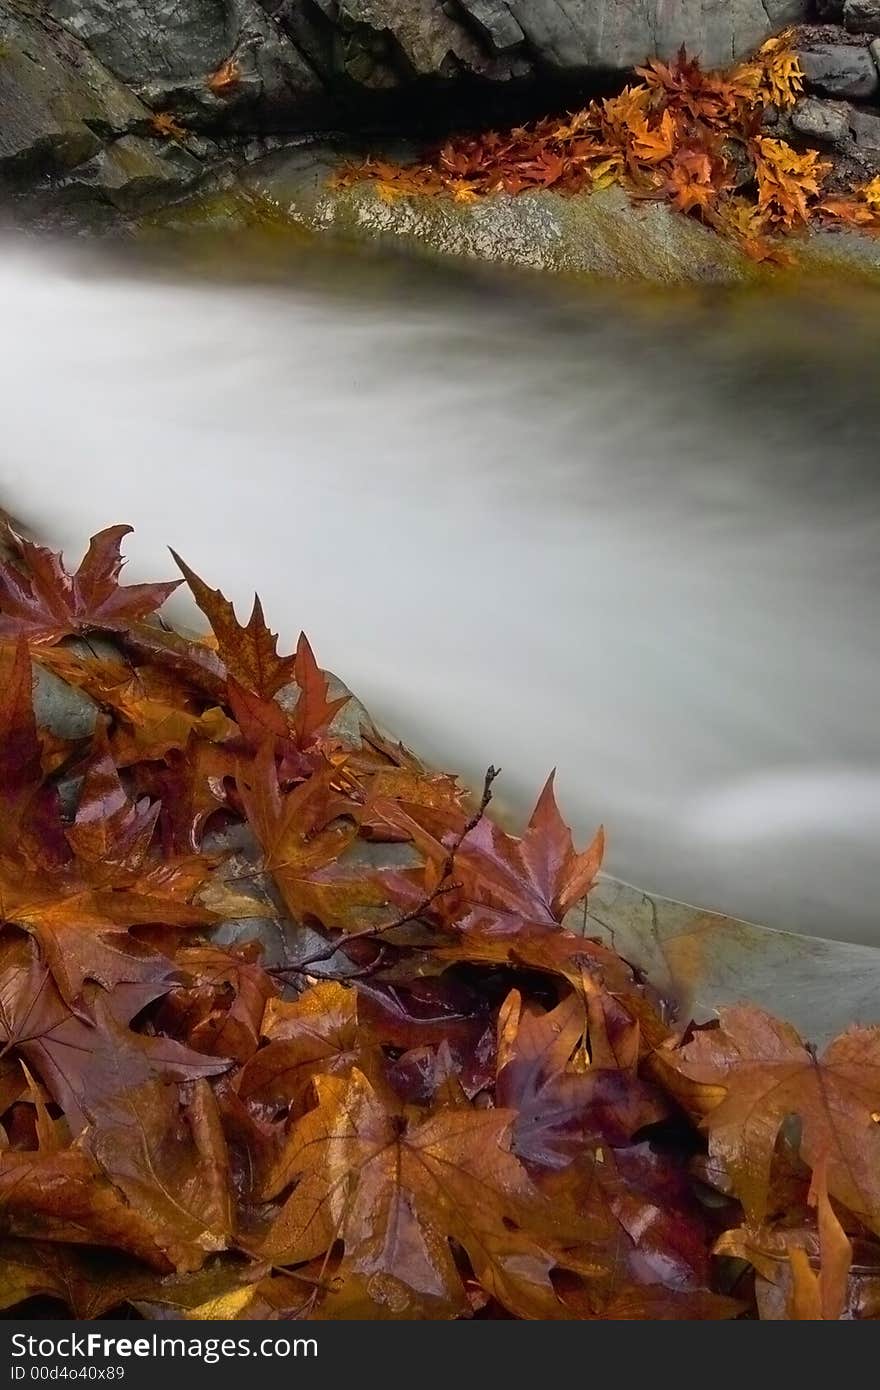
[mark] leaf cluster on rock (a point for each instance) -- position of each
(694, 139)
(437, 1101)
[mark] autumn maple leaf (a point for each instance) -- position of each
(303, 833)
(787, 181)
(84, 1059)
(218, 1004)
(751, 1072)
(155, 710)
(396, 1192)
(313, 712)
(314, 1035)
(164, 124)
(168, 1201)
(691, 182)
(256, 673)
(90, 1281)
(164, 1148)
(79, 911)
(250, 652)
(562, 1107)
(65, 1196)
(823, 1294)
(43, 603)
(653, 144)
(507, 884)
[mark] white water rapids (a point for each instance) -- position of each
(638, 540)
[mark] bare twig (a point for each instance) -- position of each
(427, 902)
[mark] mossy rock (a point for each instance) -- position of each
(602, 235)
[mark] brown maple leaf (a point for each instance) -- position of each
(788, 181)
(562, 1104)
(692, 184)
(313, 712)
(90, 1281)
(80, 911)
(395, 1192)
(164, 1149)
(191, 785)
(218, 1007)
(315, 1035)
(154, 710)
(41, 602)
(654, 144)
(302, 834)
(65, 1196)
(84, 1059)
(823, 1294)
(249, 653)
(30, 823)
(751, 1072)
(507, 884)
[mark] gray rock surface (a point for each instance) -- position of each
(168, 50)
(865, 128)
(58, 104)
(704, 961)
(71, 133)
(826, 122)
(83, 81)
(618, 33)
(862, 16)
(840, 70)
(385, 43)
(132, 170)
(61, 708)
(290, 52)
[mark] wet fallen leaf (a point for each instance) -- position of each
(40, 601)
(405, 1090)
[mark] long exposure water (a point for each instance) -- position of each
(633, 537)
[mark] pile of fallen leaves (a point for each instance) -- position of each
(694, 139)
(290, 1028)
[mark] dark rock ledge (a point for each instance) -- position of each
(110, 109)
(81, 81)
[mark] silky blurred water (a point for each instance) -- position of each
(633, 536)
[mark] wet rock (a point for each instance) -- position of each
(382, 45)
(168, 50)
(615, 34)
(862, 16)
(57, 103)
(825, 122)
(840, 70)
(865, 129)
(494, 19)
(703, 961)
(601, 234)
(131, 171)
(61, 708)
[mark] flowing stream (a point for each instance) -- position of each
(636, 537)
